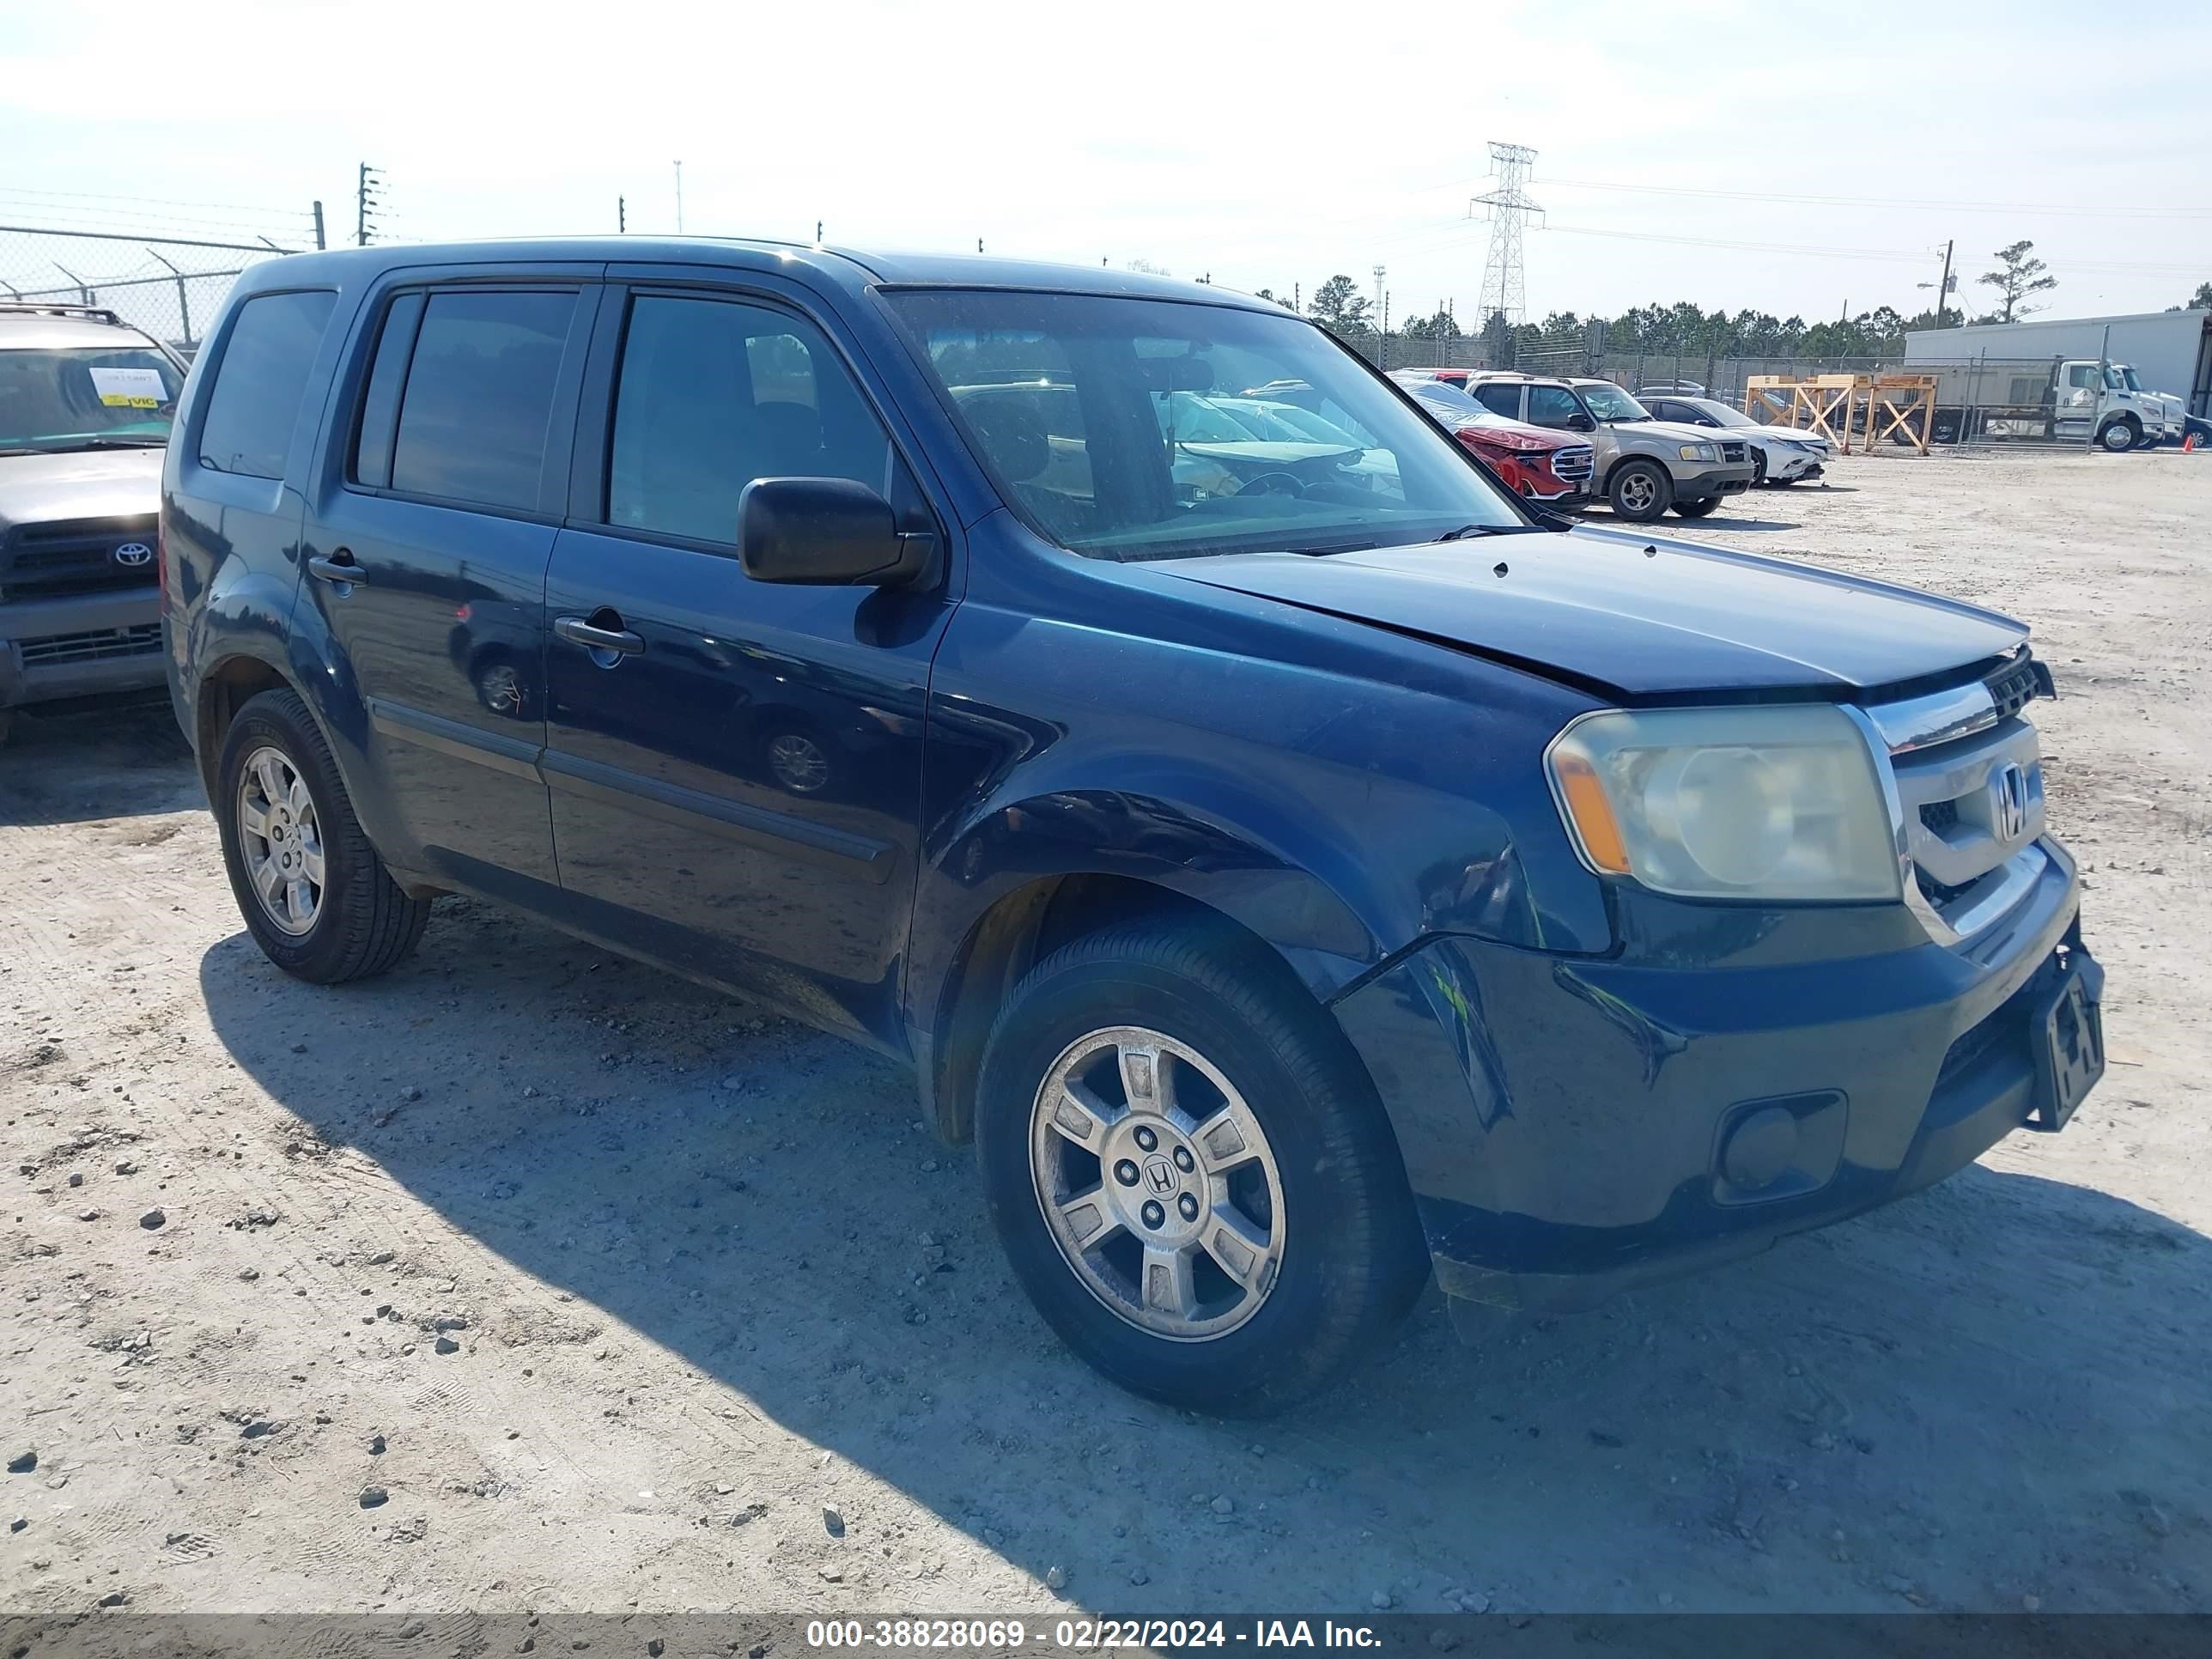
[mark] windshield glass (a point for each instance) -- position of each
(1146, 428)
(1727, 417)
(2128, 376)
(1609, 403)
(59, 399)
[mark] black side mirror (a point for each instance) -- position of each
(1580, 423)
(828, 532)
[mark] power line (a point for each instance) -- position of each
(1890, 256)
(149, 201)
(2072, 210)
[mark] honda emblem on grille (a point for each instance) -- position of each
(2008, 801)
(134, 554)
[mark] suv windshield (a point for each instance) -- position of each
(61, 399)
(1721, 412)
(1126, 429)
(1609, 403)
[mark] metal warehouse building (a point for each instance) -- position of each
(2170, 350)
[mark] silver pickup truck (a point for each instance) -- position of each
(1643, 466)
(85, 406)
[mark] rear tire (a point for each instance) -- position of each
(284, 815)
(1324, 1253)
(1698, 509)
(1640, 491)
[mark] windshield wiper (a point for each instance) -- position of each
(1479, 530)
(111, 443)
(1340, 547)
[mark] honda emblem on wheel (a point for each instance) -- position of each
(1159, 1176)
(134, 554)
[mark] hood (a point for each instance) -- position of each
(1803, 434)
(1522, 431)
(1674, 431)
(91, 483)
(1635, 616)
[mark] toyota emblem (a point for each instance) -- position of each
(2008, 802)
(134, 554)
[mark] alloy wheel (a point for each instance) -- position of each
(1158, 1183)
(281, 841)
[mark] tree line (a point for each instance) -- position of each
(1685, 328)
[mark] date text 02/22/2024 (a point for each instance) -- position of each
(1084, 1635)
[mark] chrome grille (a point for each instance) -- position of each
(1573, 463)
(1732, 449)
(1970, 816)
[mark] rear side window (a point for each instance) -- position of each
(258, 383)
(1500, 398)
(475, 399)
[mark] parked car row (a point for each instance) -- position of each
(1641, 465)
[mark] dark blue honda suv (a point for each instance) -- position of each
(1296, 866)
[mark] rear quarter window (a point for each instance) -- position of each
(259, 381)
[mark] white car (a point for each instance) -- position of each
(1780, 454)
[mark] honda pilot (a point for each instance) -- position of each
(1299, 870)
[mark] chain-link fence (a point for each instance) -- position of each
(170, 287)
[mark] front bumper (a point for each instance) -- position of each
(1714, 481)
(1795, 466)
(1565, 1121)
(81, 646)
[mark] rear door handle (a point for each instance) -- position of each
(340, 568)
(577, 631)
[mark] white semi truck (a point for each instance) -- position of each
(2124, 382)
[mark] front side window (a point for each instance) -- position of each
(55, 399)
(1552, 405)
(1131, 429)
(1609, 403)
(479, 397)
(259, 381)
(715, 393)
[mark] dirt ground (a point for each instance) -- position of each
(611, 1288)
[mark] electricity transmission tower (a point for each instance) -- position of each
(1503, 288)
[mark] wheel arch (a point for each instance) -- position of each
(954, 994)
(224, 689)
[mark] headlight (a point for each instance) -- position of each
(1700, 452)
(1780, 802)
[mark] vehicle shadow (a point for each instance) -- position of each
(1842, 1424)
(125, 759)
(1690, 528)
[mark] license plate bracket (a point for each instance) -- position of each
(2068, 1034)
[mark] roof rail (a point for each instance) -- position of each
(47, 308)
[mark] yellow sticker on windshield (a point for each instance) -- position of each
(129, 388)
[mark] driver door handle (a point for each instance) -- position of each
(577, 631)
(340, 568)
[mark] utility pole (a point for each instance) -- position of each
(817, 233)
(365, 191)
(679, 198)
(318, 227)
(1297, 300)
(1385, 335)
(622, 216)
(1504, 284)
(1943, 292)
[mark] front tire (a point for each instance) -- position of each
(315, 895)
(2120, 436)
(1190, 1172)
(1640, 491)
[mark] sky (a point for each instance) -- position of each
(1263, 146)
